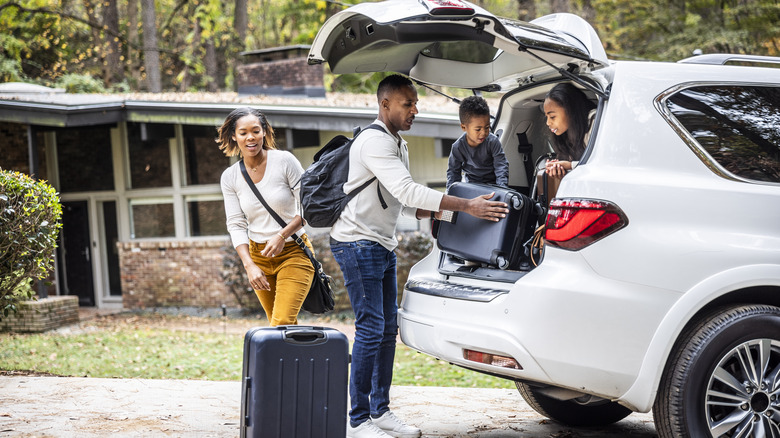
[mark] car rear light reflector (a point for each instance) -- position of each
(491, 359)
(574, 224)
(447, 7)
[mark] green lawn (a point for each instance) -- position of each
(136, 351)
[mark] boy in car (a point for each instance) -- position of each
(477, 153)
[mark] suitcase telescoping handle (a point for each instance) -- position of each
(305, 336)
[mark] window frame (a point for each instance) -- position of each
(661, 105)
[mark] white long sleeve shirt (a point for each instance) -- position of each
(380, 154)
(246, 217)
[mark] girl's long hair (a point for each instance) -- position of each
(228, 128)
(571, 145)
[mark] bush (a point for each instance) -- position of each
(78, 83)
(30, 213)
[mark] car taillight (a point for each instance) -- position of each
(574, 224)
(491, 359)
(447, 7)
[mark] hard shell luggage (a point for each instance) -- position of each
(294, 382)
(499, 244)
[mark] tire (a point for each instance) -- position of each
(715, 374)
(570, 412)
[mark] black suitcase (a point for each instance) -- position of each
(498, 244)
(294, 382)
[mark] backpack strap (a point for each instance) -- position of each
(354, 192)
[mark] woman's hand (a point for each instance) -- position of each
(557, 168)
(257, 278)
(273, 247)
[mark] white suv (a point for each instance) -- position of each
(660, 284)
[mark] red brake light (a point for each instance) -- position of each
(574, 224)
(447, 7)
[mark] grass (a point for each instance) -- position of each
(139, 350)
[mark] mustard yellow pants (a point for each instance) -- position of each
(289, 274)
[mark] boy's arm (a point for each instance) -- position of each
(500, 163)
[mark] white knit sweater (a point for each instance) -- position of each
(377, 153)
(246, 216)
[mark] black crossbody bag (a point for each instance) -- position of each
(320, 297)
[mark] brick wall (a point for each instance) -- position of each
(173, 274)
(42, 315)
(285, 76)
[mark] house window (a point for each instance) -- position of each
(302, 138)
(84, 159)
(444, 146)
(203, 160)
(206, 216)
(150, 156)
(151, 218)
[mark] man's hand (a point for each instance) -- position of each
(482, 208)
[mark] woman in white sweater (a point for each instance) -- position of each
(278, 269)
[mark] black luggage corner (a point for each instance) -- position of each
(498, 244)
(294, 382)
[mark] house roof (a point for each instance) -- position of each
(336, 112)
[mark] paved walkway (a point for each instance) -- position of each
(94, 407)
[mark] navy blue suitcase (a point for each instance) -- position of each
(294, 382)
(498, 244)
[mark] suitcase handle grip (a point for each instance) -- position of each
(303, 336)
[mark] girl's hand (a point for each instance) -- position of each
(273, 247)
(557, 168)
(257, 278)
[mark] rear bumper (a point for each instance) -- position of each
(561, 329)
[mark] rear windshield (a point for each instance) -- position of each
(738, 126)
(475, 52)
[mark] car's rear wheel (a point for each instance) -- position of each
(723, 379)
(572, 412)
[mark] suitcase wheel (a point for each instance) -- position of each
(516, 203)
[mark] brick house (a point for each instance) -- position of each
(138, 176)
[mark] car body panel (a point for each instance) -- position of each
(623, 309)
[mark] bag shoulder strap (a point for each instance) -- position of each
(270, 210)
(360, 188)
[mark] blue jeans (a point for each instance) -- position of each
(370, 278)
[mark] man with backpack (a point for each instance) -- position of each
(363, 240)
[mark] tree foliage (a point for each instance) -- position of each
(30, 213)
(198, 42)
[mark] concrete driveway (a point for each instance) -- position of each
(95, 407)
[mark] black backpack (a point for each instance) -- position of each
(322, 184)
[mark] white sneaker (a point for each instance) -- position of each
(366, 429)
(391, 425)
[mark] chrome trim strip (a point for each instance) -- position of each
(452, 290)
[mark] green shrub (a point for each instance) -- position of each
(30, 213)
(78, 83)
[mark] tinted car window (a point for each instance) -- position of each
(739, 126)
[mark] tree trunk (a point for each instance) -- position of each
(210, 62)
(526, 10)
(112, 69)
(133, 54)
(240, 23)
(588, 12)
(151, 52)
(559, 6)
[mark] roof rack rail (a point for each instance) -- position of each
(723, 58)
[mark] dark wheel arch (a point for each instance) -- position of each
(570, 412)
(712, 383)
